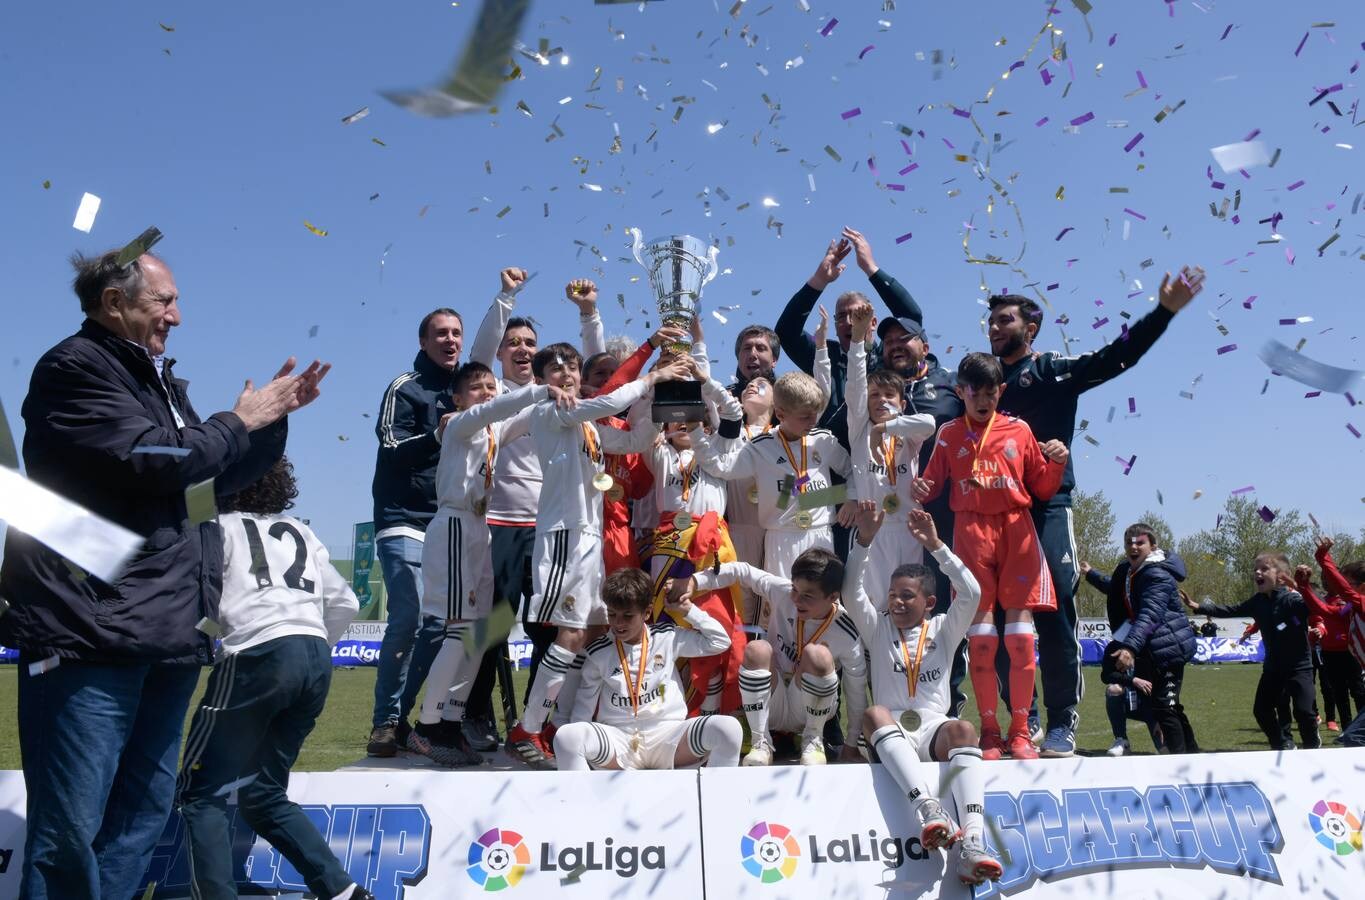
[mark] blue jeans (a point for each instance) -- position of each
(99, 745)
(259, 707)
(402, 666)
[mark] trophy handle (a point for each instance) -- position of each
(638, 243)
(712, 265)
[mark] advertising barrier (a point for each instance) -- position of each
(1230, 824)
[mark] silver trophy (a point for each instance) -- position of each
(679, 266)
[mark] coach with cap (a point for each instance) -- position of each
(107, 669)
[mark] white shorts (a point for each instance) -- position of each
(457, 567)
(893, 546)
(748, 543)
(657, 743)
(567, 579)
(921, 740)
(781, 548)
(787, 705)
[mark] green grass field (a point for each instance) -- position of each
(1217, 700)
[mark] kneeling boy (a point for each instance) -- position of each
(630, 679)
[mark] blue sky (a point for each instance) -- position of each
(226, 134)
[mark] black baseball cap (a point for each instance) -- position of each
(910, 325)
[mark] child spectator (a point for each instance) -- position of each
(995, 469)
(1155, 628)
(1281, 615)
(283, 607)
(1347, 583)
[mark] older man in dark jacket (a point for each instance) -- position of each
(1144, 586)
(107, 668)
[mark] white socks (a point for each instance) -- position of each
(820, 692)
(554, 668)
(714, 689)
(444, 678)
(563, 712)
(895, 754)
(754, 687)
(969, 788)
(581, 746)
(715, 739)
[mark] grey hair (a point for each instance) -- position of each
(620, 347)
(96, 274)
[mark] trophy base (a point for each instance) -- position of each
(678, 401)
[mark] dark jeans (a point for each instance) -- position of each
(411, 640)
(1298, 686)
(99, 745)
(511, 551)
(259, 707)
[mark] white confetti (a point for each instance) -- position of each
(1243, 155)
(97, 545)
(85, 213)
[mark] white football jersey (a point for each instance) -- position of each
(475, 437)
(566, 442)
(889, 647)
(660, 697)
(872, 470)
(768, 461)
(277, 581)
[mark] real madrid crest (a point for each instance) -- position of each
(568, 602)
(1011, 449)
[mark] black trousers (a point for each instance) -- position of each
(1167, 711)
(1341, 671)
(1297, 686)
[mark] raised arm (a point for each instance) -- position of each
(489, 336)
(460, 426)
(706, 637)
(1333, 580)
(854, 597)
(583, 294)
(893, 294)
(771, 587)
(790, 327)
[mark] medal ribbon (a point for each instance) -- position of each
(791, 457)
(590, 441)
(981, 444)
(633, 690)
(749, 435)
(912, 671)
(889, 457)
(801, 628)
(492, 450)
(685, 473)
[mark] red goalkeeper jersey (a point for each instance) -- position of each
(993, 468)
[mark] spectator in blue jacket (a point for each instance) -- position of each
(1156, 631)
(107, 669)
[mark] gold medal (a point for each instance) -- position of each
(910, 720)
(616, 493)
(682, 520)
(481, 506)
(891, 503)
(753, 495)
(803, 519)
(602, 481)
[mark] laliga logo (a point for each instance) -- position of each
(1335, 827)
(769, 852)
(498, 859)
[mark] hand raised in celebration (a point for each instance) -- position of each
(1176, 295)
(831, 266)
(860, 320)
(512, 279)
(922, 526)
(822, 330)
(862, 250)
(583, 293)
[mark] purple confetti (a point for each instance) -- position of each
(1226, 348)
(1113, 37)
(1289, 321)
(1301, 43)
(1217, 185)
(1251, 135)
(1041, 122)
(1061, 234)
(1244, 490)
(1126, 463)
(1135, 214)
(1295, 186)
(1289, 255)
(910, 168)
(1266, 514)
(1312, 394)
(1081, 120)
(1132, 405)
(964, 113)
(872, 164)
(1133, 143)
(895, 187)
(1351, 428)
(1054, 286)
(855, 111)
(1246, 304)
(1123, 331)
(903, 238)
(1100, 323)
(1350, 401)
(949, 143)
(1226, 32)
(1046, 75)
(866, 50)
(829, 26)
(1016, 64)
(1142, 81)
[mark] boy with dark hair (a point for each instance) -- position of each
(789, 681)
(567, 557)
(995, 468)
(1281, 616)
(1155, 630)
(629, 712)
(909, 723)
(283, 607)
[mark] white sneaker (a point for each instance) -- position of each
(760, 754)
(1120, 747)
(975, 865)
(813, 750)
(938, 830)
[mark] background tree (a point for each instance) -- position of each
(1093, 522)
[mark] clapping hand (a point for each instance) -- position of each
(862, 250)
(831, 266)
